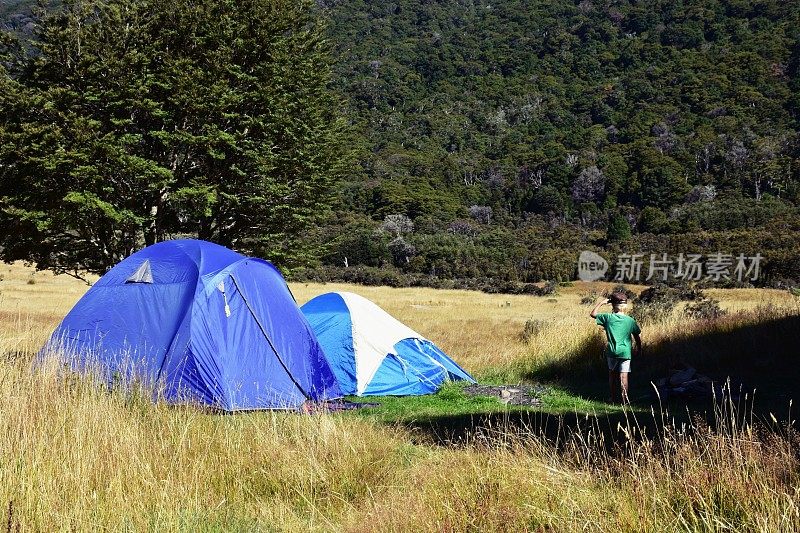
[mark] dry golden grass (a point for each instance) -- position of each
(76, 457)
(706, 483)
(479, 330)
(483, 330)
(73, 456)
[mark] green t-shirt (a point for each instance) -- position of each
(619, 328)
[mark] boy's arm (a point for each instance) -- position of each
(638, 340)
(601, 302)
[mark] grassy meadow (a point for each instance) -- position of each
(74, 456)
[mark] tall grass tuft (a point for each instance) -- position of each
(687, 478)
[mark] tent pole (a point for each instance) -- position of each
(264, 332)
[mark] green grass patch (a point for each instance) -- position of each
(452, 401)
(560, 401)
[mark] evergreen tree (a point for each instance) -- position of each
(619, 230)
(130, 122)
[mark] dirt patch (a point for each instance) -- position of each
(525, 395)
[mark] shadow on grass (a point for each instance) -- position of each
(758, 353)
(558, 429)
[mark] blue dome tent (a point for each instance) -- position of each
(372, 353)
(202, 324)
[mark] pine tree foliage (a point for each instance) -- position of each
(128, 122)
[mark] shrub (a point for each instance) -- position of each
(548, 288)
(705, 309)
(652, 220)
(532, 329)
(393, 277)
(658, 302)
(655, 303)
(589, 298)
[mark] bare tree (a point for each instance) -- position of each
(481, 213)
(571, 160)
(375, 66)
(589, 185)
(666, 141)
(401, 250)
(397, 225)
(462, 227)
(701, 193)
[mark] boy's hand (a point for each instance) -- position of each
(601, 302)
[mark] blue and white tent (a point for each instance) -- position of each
(200, 323)
(372, 353)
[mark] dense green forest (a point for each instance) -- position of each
(493, 141)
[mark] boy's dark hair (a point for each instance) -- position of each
(618, 298)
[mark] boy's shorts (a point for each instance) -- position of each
(619, 365)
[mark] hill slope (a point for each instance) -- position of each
(515, 133)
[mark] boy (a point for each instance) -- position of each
(619, 328)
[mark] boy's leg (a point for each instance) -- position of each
(623, 386)
(614, 383)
